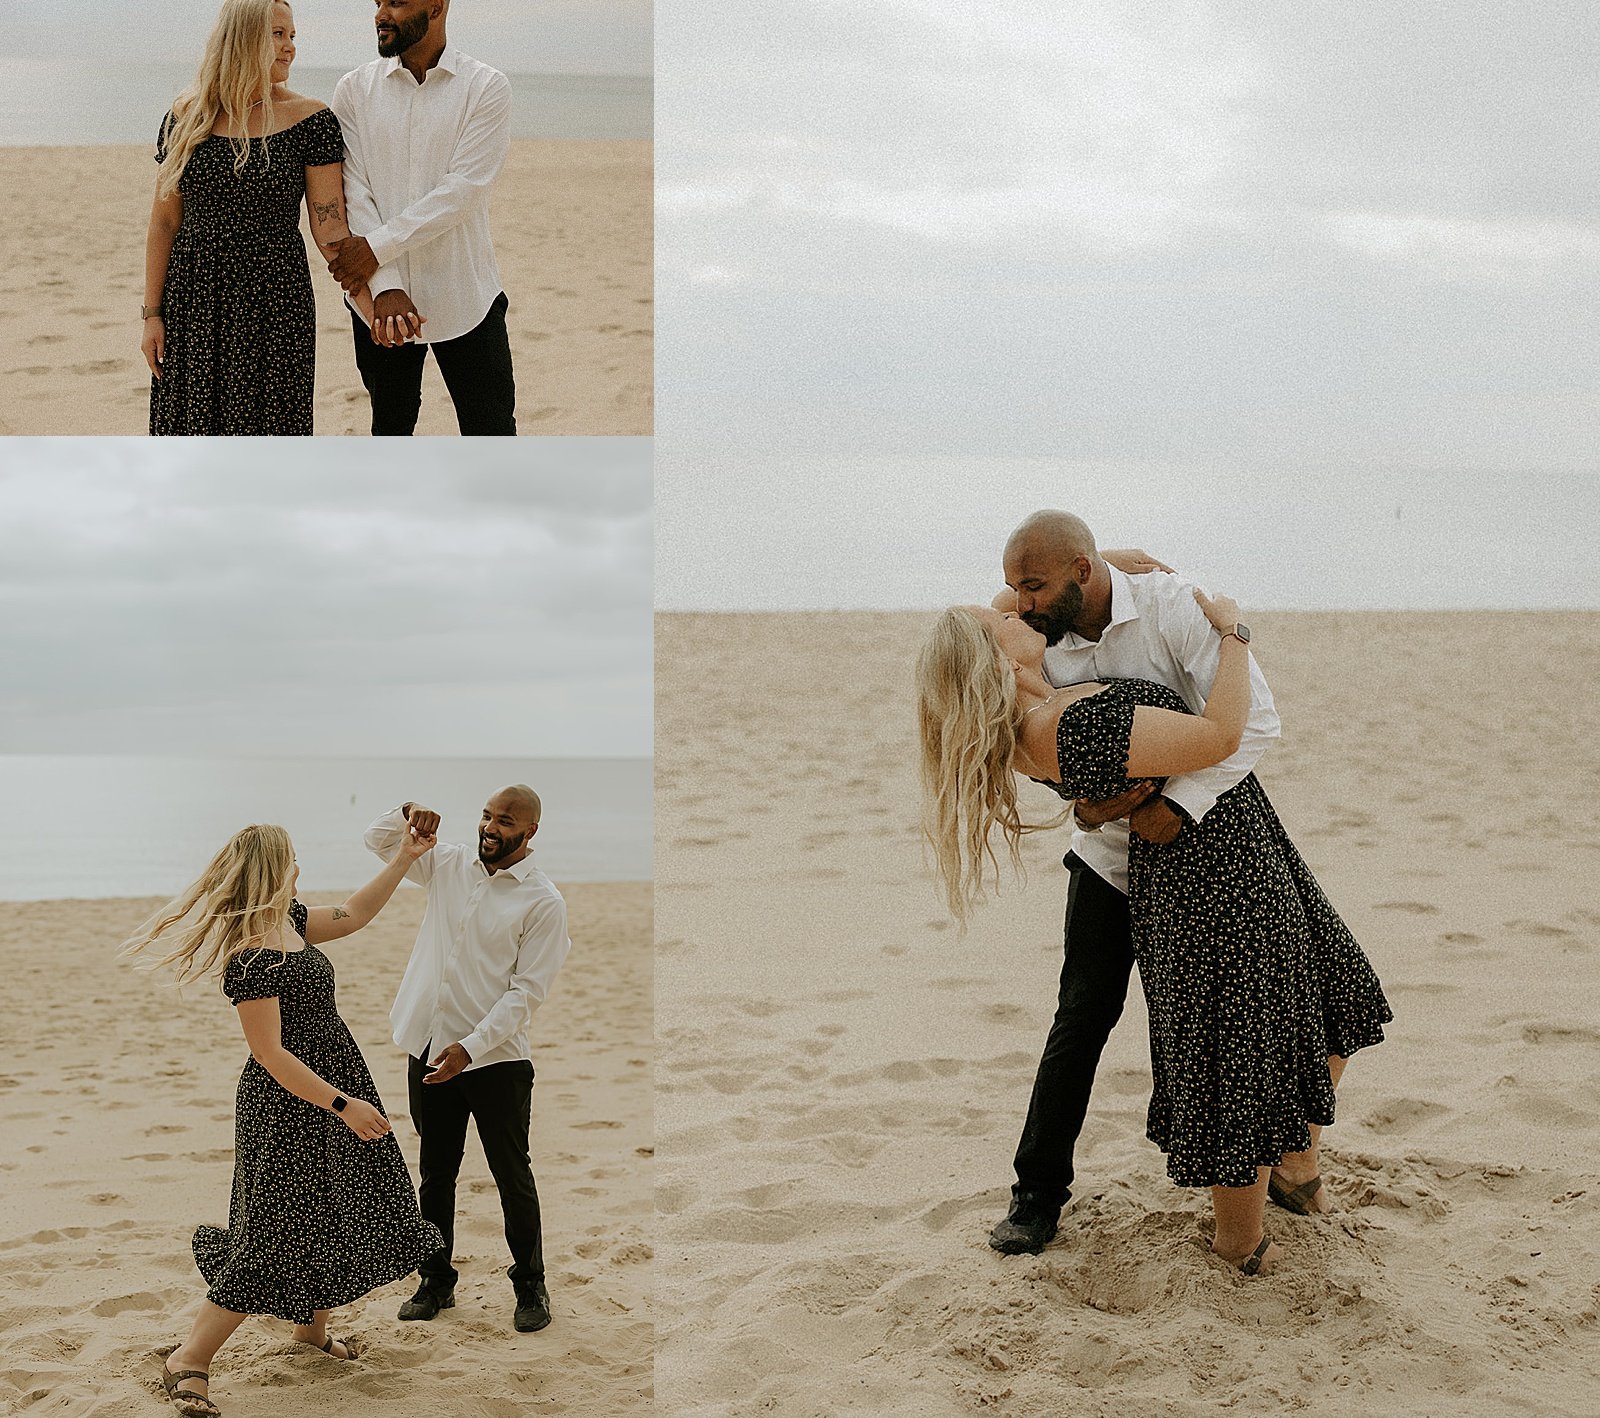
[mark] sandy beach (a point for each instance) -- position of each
(572, 230)
(116, 1108)
(841, 1080)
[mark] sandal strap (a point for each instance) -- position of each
(179, 1374)
(1252, 1262)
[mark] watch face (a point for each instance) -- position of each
(1242, 631)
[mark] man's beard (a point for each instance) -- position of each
(1061, 615)
(509, 846)
(403, 37)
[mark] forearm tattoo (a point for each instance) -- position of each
(327, 212)
(339, 913)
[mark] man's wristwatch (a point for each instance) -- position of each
(339, 1104)
(1240, 631)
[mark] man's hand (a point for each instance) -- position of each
(1157, 821)
(394, 318)
(424, 821)
(448, 1065)
(1097, 814)
(353, 263)
(1134, 562)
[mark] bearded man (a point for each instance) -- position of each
(493, 936)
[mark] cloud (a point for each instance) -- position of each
(150, 597)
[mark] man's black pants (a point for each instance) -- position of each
(476, 369)
(1098, 959)
(498, 1098)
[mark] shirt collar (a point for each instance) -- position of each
(1123, 609)
(519, 870)
(449, 63)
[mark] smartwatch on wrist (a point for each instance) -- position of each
(340, 1103)
(1240, 632)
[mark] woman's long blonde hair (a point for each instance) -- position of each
(967, 725)
(234, 75)
(238, 902)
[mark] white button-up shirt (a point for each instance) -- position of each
(488, 949)
(419, 162)
(1158, 632)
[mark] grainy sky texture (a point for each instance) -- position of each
(224, 597)
(1141, 259)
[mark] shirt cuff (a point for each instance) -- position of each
(384, 247)
(476, 1046)
(1194, 798)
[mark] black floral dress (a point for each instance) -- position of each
(318, 1217)
(1251, 978)
(240, 316)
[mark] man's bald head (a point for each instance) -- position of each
(1057, 535)
(522, 798)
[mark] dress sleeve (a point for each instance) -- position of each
(1092, 744)
(297, 918)
(322, 140)
(161, 138)
(257, 974)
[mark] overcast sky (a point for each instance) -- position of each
(244, 597)
(1343, 253)
(549, 37)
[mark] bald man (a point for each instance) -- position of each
(1101, 622)
(493, 936)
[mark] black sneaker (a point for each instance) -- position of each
(533, 1306)
(427, 1302)
(1028, 1228)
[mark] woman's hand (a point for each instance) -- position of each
(365, 1121)
(414, 844)
(1221, 611)
(154, 344)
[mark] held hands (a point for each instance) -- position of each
(353, 263)
(154, 344)
(1221, 611)
(365, 1121)
(395, 319)
(424, 821)
(448, 1065)
(415, 845)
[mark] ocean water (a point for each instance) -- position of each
(95, 826)
(45, 102)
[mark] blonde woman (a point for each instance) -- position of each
(1257, 992)
(229, 317)
(323, 1208)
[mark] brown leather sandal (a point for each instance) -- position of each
(350, 1350)
(1251, 1264)
(181, 1396)
(1295, 1199)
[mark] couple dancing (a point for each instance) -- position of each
(395, 178)
(1134, 697)
(322, 1210)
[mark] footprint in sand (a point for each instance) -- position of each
(1402, 1114)
(1411, 908)
(1559, 1034)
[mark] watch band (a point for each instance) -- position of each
(146, 311)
